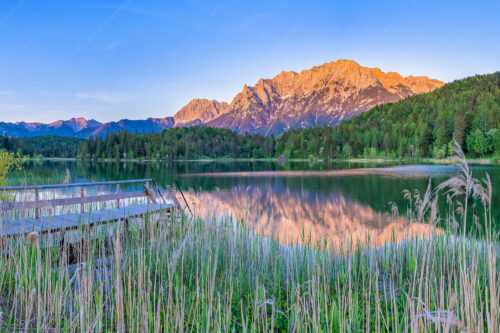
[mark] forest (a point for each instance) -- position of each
(179, 143)
(422, 126)
(43, 146)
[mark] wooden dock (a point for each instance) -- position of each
(56, 223)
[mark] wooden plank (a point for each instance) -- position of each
(72, 221)
(54, 222)
(46, 187)
(69, 201)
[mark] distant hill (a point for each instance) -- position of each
(62, 128)
(322, 95)
(140, 126)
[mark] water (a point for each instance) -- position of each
(296, 201)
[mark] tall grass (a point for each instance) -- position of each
(217, 275)
(173, 273)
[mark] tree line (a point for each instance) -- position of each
(421, 126)
(179, 143)
(42, 146)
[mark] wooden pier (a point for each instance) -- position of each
(56, 223)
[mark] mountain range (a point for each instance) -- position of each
(323, 95)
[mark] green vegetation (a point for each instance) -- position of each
(43, 146)
(218, 275)
(418, 127)
(179, 143)
(8, 163)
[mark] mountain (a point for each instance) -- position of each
(424, 125)
(76, 124)
(62, 128)
(140, 126)
(199, 111)
(82, 128)
(322, 95)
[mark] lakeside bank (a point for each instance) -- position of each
(486, 161)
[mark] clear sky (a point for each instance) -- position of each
(136, 59)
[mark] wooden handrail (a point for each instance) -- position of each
(44, 187)
(70, 201)
(82, 199)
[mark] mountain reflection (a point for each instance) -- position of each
(289, 215)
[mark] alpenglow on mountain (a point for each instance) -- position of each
(323, 95)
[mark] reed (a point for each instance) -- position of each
(217, 274)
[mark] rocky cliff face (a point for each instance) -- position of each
(322, 95)
(199, 111)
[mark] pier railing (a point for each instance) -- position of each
(82, 199)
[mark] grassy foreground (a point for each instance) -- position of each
(213, 276)
(218, 275)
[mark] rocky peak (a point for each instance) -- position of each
(76, 124)
(199, 110)
(322, 95)
(422, 84)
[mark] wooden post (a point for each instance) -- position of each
(82, 194)
(147, 185)
(117, 192)
(173, 196)
(37, 210)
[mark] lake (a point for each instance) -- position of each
(296, 202)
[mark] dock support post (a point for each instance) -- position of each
(147, 186)
(37, 210)
(82, 194)
(117, 192)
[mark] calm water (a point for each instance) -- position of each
(331, 201)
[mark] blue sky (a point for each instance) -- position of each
(133, 59)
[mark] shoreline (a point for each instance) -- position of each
(485, 161)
